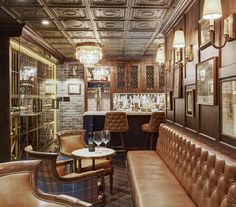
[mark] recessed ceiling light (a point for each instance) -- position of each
(45, 22)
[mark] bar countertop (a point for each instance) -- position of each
(103, 113)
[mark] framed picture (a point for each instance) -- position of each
(206, 81)
(177, 90)
(169, 100)
(205, 38)
(178, 55)
(49, 88)
(228, 107)
(190, 101)
(74, 89)
(189, 53)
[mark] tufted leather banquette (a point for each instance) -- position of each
(182, 172)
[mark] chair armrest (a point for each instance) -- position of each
(64, 162)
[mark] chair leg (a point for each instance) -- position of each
(151, 141)
(111, 181)
(146, 140)
(122, 140)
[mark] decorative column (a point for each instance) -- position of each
(6, 31)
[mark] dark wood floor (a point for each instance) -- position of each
(121, 196)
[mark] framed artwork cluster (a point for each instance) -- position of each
(190, 102)
(177, 84)
(206, 81)
(74, 89)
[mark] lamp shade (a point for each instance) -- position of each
(179, 40)
(212, 9)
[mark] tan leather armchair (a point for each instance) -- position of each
(88, 186)
(19, 188)
(70, 140)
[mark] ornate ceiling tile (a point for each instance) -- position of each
(109, 2)
(5, 16)
(57, 41)
(111, 34)
(143, 25)
(148, 13)
(30, 13)
(109, 13)
(151, 2)
(37, 24)
(77, 40)
(65, 2)
(141, 35)
(62, 46)
(112, 41)
(13, 3)
(82, 34)
(70, 13)
(50, 33)
(110, 25)
(76, 24)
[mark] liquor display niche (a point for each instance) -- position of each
(32, 91)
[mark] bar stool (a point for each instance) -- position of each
(153, 126)
(117, 122)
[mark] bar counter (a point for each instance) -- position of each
(134, 138)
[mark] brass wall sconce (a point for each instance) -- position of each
(212, 11)
(189, 53)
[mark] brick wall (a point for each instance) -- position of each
(69, 114)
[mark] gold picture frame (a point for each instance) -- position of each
(177, 83)
(205, 36)
(206, 81)
(168, 96)
(190, 102)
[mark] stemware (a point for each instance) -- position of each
(106, 136)
(98, 138)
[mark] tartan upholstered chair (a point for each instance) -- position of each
(19, 188)
(88, 186)
(70, 140)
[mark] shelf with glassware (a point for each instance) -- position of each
(97, 88)
(31, 106)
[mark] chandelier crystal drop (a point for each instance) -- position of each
(88, 53)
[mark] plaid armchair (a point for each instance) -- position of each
(19, 187)
(88, 186)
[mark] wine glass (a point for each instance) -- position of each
(106, 137)
(98, 138)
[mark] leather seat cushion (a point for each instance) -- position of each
(152, 182)
(149, 128)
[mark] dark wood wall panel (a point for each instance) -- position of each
(209, 123)
(180, 111)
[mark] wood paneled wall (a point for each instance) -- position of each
(207, 119)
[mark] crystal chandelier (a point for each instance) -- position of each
(88, 53)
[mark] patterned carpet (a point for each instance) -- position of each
(121, 196)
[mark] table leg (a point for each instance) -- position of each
(93, 166)
(79, 166)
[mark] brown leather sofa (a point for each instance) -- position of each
(182, 172)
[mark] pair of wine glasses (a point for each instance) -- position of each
(102, 137)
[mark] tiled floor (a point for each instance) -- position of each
(121, 196)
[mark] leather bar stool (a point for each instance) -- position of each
(117, 122)
(153, 126)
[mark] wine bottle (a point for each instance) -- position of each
(91, 145)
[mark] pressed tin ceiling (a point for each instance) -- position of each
(125, 28)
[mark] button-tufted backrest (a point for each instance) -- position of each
(208, 176)
(116, 122)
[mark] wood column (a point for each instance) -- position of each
(6, 31)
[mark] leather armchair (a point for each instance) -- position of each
(70, 140)
(88, 186)
(19, 188)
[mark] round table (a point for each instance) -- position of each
(100, 152)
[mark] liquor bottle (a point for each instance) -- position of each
(91, 145)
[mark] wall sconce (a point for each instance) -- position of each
(160, 56)
(179, 40)
(213, 10)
